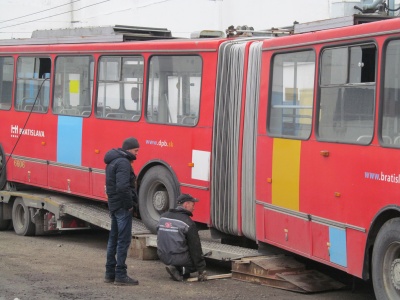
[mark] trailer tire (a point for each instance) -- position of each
(157, 194)
(4, 224)
(386, 261)
(21, 219)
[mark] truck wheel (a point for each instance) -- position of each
(3, 174)
(386, 261)
(157, 194)
(4, 224)
(21, 218)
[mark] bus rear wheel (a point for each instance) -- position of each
(386, 261)
(157, 194)
(21, 219)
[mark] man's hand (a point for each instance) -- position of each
(202, 276)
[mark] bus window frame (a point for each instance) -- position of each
(381, 94)
(118, 116)
(40, 85)
(348, 45)
(12, 83)
(269, 107)
(91, 60)
(148, 86)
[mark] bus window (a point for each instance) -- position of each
(347, 94)
(390, 127)
(174, 90)
(33, 84)
(120, 87)
(6, 81)
(291, 97)
(73, 85)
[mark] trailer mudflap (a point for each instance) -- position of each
(282, 272)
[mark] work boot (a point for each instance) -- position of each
(109, 279)
(174, 273)
(185, 273)
(126, 281)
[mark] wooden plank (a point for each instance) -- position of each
(211, 277)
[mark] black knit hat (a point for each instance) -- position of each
(184, 198)
(130, 143)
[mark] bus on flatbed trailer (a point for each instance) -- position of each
(52, 212)
(291, 141)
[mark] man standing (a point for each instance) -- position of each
(120, 187)
(178, 241)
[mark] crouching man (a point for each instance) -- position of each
(178, 241)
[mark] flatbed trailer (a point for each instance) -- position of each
(37, 212)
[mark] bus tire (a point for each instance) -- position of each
(21, 219)
(157, 194)
(386, 261)
(4, 224)
(3, 173)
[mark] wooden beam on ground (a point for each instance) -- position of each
(211, 277)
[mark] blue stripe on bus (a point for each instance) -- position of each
(338, 252)
(69, 140)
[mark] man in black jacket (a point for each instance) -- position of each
(178, 241)
(120, 187)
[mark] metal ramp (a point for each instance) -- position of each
(97, 214)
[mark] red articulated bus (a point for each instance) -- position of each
(290, 141)
(67, 105)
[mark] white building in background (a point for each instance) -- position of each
(18, 18)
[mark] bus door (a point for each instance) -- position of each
(30, 128)
(280, 215)
(73, 88)
(6, 94)
(337, 160)
(117, 112)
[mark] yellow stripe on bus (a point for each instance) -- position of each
(286, 173)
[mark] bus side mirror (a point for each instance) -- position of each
(135, 94)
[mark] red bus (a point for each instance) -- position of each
(64, 106)
(290, 141)
(328, 138)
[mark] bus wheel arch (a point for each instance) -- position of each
(158, 191)
(379, 220)
(3, 168)
(385, 261)
(21, 218)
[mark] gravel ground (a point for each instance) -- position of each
(71, 266)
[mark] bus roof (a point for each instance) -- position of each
(357, 31)
(111, 34)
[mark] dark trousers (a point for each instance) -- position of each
(119, 240)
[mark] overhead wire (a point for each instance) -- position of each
(55, 14)
(38, 12)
